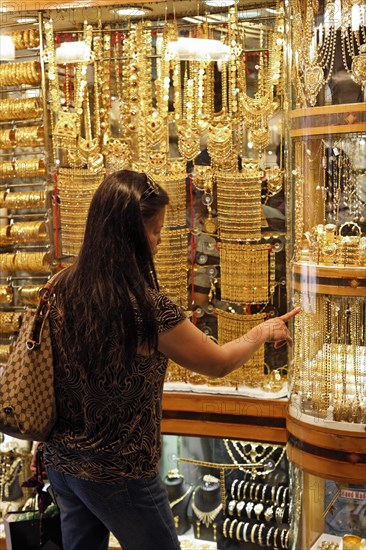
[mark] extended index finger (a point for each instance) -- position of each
(287, 316)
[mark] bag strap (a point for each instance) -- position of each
(45, 299)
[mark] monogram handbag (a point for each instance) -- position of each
(27, 396)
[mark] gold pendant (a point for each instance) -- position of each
(188, 141)
(66, 126)
(87, 147)
(358, 67)
(156, 161)
(155, 130)
(210, 224)
(259, 136)
(313, 81)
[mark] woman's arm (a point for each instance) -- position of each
(192, 349)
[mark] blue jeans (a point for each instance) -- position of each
(137, 512)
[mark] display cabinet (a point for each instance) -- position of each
(327, 402)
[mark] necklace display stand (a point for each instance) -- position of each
(179, 494)
(206, 508)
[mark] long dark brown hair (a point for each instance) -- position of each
(111, 276)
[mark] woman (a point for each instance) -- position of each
(112, 334)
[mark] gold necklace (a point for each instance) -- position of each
(205, 517)
(180, 499)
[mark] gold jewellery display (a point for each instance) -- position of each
(174, 182)
(24, 136)
(239, 202)
(28, 232)
(328, 381)
(25, 261)
(19, 200)
(9, 321)
(15, 74)
(6, 294)
(315, 45)
(329, 355)
(22, 108)
(29, 294)
(247, 272)
(173, 282)
(232, 326)
(76, 188)
(136, 99)
(25, 39)
(22, 168)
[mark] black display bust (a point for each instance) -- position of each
(179, 494)
(206, 508)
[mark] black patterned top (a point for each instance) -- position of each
(108, 424)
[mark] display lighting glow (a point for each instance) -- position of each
(73, 52)
(204, 49)
(131, 11)
(25, 20)
(7, 49)
(220, 3)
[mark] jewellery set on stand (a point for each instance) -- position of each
(179, 494)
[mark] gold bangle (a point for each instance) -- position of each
(244, 495)
(241, 483)
(252, 533)
(283, 537)
(260, 540)
(224, 527)
(269, 533)
(246, 526)
(6, 294)
(231, 529)
(232, 491)
(238, 527)
(275, 543)
(257, 489)
(263, 495)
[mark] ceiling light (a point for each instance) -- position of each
(73, 52)
(220, 3)
(131, 11)
(7, 49)
(193, 49)
(24, 20)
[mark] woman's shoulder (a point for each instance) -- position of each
(167, 313)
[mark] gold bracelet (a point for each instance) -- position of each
(232, 491)
(233, 523)
(246, 527)
(252, 533)
(260, 532)
(269, 533)
(238, 527)
(224, 527)
(238, 494)
(6, 294)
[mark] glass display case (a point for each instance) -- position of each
(327, 169)
(228, 493)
